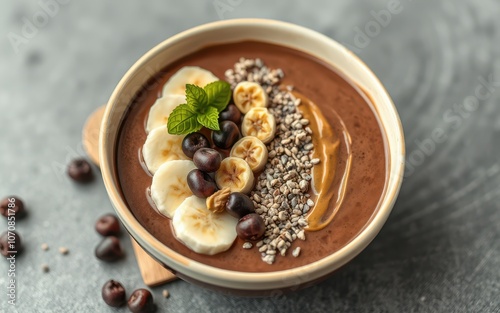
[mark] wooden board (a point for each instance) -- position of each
(152, 272)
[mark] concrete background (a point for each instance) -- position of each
(440, 249)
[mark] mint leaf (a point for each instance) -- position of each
(196, 97)
(202, 108)
(183, 120)
(210, 119)
(218, 94)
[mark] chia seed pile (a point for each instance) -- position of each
(281, 195)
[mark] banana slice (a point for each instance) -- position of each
(252, 150)
(260, 123)
(247, 95)
(161, 109)
(201, 230)
(235, 174)
(160, 147)
(169, 188)
(176, 85)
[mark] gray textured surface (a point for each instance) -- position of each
(440, 249)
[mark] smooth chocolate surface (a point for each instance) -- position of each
(322, 85)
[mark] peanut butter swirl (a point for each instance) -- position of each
(327, 149)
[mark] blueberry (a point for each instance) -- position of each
(12, 206)
(110, 249)
(113, 293)
(207, 160)
(227, 136)
(192, 142)
(141, 301)
(10, 244)
(251, 227)
(230, 113)
(239, 205)
(80, 170)
(108, 225)
(201, 184)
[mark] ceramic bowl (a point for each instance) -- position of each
(280, 33)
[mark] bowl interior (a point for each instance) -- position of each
(279, 33)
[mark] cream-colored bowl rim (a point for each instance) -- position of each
(246, 280)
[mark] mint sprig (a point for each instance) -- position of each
(202, 108)
(183, 120)
(209, 119)
(218, 94)
(196, 97)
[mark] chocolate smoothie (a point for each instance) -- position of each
(352, 181)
